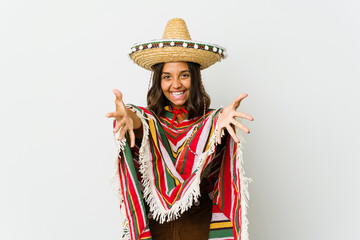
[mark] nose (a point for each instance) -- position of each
(176, 83)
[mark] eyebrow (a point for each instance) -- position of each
(180, 72)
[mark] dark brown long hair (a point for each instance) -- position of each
(198, 98)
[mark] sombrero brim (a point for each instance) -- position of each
(160, 51)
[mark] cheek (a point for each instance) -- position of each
(165, 90)
(163, 86)
(188, 84)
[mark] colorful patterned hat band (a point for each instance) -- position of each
(178, 43)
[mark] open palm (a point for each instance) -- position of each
(227, 119)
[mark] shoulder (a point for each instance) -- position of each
(213, 110)
(145, 111)
(139, 108)
(213, 113)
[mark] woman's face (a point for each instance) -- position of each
(176, 83)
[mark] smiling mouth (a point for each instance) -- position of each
(178, 94)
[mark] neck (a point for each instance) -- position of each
(179, 114)
(177, 107)
(179, 118)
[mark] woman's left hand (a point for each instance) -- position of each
(227, 119)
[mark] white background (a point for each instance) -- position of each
(298, 60)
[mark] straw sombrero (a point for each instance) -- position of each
(176, 46)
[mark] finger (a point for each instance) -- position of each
(118, 94)
(113, 114)
(119, 124)
(132, 138)
(122, 134)
(117, 127)
(218, 136)
(232, 134)
(119, 103)
(243, 115)
(239, 125)
(238, 99)
(109, 115)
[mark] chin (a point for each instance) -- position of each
(181, 104)
(178, 105)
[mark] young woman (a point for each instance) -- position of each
(179, 169)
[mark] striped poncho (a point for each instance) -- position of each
(165, 169)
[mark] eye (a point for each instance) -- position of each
(166, 77)
(185, 75)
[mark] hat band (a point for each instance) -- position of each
(178, 43)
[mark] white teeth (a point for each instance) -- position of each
(177, 93)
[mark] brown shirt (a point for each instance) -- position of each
(193, 224)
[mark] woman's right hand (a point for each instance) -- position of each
(124, 122)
